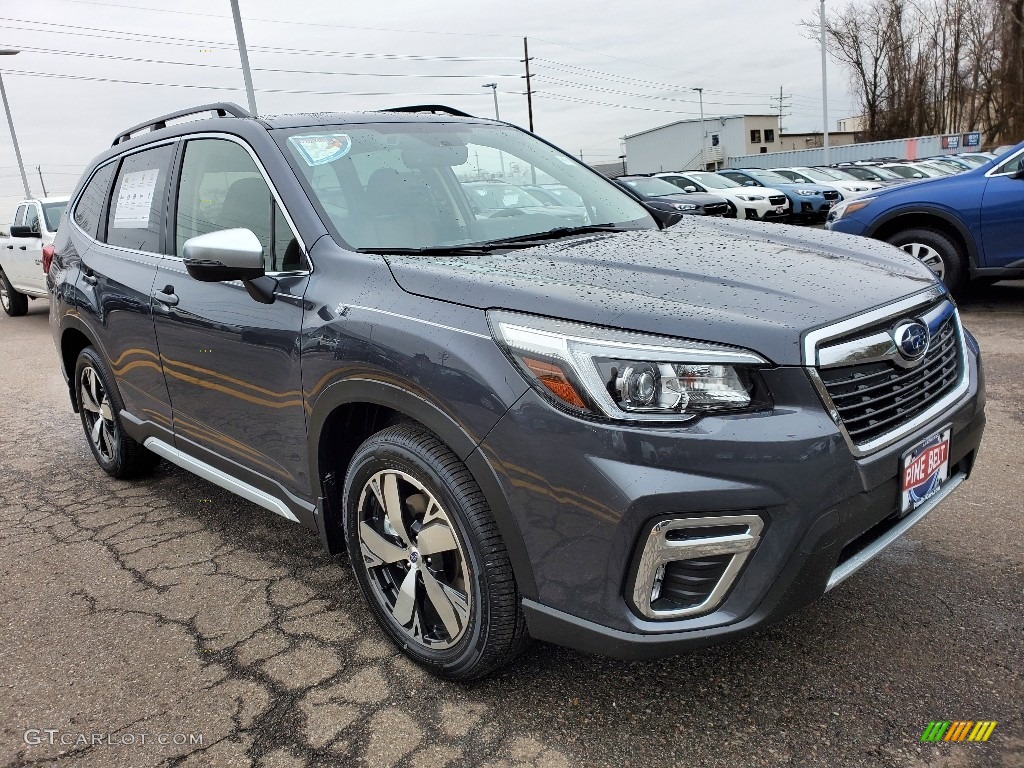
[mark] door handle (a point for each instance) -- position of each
(167, 296)
(23, 247)
(10, 247)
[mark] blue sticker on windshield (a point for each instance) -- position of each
(321, 148)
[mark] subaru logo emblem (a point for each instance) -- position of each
(911, 339)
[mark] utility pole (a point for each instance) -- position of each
(10, 124)
(824, 84)
(40, 171)
(782, 105)
(703, 131)
(529, 91)
(243, 53)
(494, 91)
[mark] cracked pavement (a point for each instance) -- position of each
(169, 606)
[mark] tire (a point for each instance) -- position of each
(937, 252)
(464, 618)
(100, 406)
(15, 304)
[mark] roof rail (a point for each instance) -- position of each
(429, 108)
(222, 108)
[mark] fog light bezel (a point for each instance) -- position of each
(655, 549)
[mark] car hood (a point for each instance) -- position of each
(697, 198)
(812, 186)
(734, 282)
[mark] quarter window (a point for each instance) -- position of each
(89, 207)
(136, 214)
(222, 188)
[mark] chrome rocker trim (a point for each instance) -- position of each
(862, 558)
(215, 476)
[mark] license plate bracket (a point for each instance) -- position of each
(923, 470)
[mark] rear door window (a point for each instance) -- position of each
(89, 207)
(136, 215)
(19, 216)
(32, 218)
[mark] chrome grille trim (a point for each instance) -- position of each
(777, 199)
(933, 310)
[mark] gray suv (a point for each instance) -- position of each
(602, 432)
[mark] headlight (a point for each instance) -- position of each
(750, 198)
(849, 206)
(684, 206)
(628, 376)
(806, 192)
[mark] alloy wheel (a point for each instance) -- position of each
(98, 414)
(927, 256)
(5, 299)
(414, 559)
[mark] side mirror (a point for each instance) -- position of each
(228, 254)
(1018, 174)
(665, 219)
(689, 188)
(20, 230)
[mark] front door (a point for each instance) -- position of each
(232, 363)
(1002, 215)
(23, 252)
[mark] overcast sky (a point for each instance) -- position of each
(602, 70)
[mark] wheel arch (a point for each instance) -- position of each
(74, 337)
(350, 411)
(928, 218)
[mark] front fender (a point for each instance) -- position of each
(947, 215)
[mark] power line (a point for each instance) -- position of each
(61, 76)
(90, 55)
(289, 21)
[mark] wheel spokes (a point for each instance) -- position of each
(97, 431)
(393, 507)
(405, 603)
(451, 606)
(376, 549)
(436, 538)
(87, 399)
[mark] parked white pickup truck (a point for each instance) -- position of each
(21, 254)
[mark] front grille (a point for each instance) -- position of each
(716, 209)
(689, 583)
(777, 199)
(874, 399)
(830, 195)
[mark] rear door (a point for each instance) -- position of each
(117, 274)
(1002, 214)
(232, 363)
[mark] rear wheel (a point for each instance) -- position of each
(937, 252)
(99, 405)
(15, 304)
(428, 557)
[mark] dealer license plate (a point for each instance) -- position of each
(923, 470)
(780, 209)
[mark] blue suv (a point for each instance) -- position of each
(964, 227)
(808, 202)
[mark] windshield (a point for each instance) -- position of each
(909, 172)
(653, 187)
(437, 185)
(817, 174)
(714, 181)
(769, 177)
(52, 213)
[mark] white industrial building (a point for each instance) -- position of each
(678, 146)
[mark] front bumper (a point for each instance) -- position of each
(585, 494)
(811, 208)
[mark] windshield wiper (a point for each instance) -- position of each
(521, 241)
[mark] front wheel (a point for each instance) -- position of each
(937, 252)
(15, 304)
(428, 556)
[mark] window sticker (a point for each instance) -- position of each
(135, 199)
(321, 148)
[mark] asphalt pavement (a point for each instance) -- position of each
(167, 622)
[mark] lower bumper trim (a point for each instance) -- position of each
(846, 569)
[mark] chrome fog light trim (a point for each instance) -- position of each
(659, 550)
